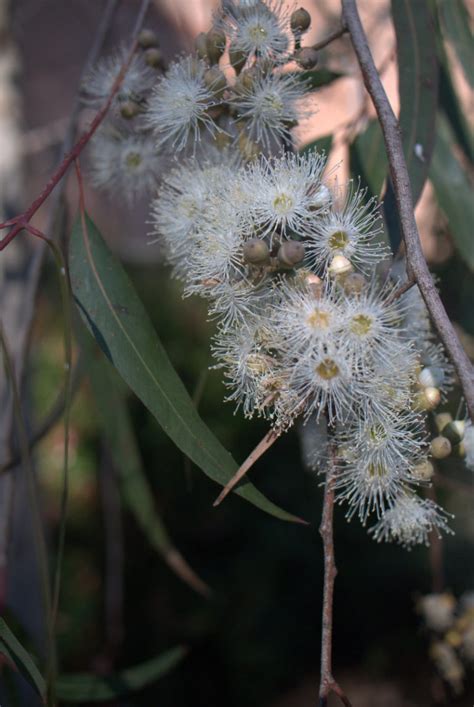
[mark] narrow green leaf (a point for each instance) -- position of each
(417, 85)
(116, 317)
(369, 159)
(84, 687)
(454, 191)
(12, 649)
(321, 144)
(456, 30)
(108, 390)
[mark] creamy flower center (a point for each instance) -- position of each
(133, 160)
(319, 319)
(327, 369)
(283, 204)
(338, 240)
(361, 324)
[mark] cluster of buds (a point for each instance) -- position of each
(451, 627)
(292, 265)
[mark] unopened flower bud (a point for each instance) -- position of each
(237, 58)
(153, 58)
(431, 376)
(215, 81)
(315, 284)
(428, 399)
(147, 38)
(290, 253)
(354, 283)
(320, 198)
(256, 252)
(340, 266)
(454, 431)
(307, 58)
(440, 447)
(442, 419)
(460, 450)
(215, 42)
(201, 45)
(300, 20)
(246, 80)
(129, 109)
(423, 471)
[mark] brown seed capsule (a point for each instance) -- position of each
(248, 148)
(256, 252)
(201, 45)
(147, 38)
(440, 447)
(129, 109)
(290, 253)
(307, 58)
(153, 58)
(300, 20)
(215, 42)
(237, 58)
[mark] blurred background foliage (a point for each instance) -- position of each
(255, 639)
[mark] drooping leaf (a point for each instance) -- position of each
(109, 393)
(84, 687)
(418, 90)
(12, 649)
(114, 314)
(455, 25)
(321, 144)
(369, 159)
(454, 191)
(417, 85)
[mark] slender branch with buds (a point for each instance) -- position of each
(416, 263)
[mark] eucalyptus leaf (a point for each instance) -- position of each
(455, 24)
(117, 319)
(12, 649)
(84, 687)
(108, 390)
(454, 191)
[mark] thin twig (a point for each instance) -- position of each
(416, 263)
(260, 449)
(401, 291)
(328, 684)
(330, 38)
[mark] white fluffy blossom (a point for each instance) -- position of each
(257, 28)
(135, 86)
(179, 105)
(125, 164)
(350, 227)
(410, 521)
(269, 108)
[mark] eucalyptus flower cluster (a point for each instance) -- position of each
(310, 326)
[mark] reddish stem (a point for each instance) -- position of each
(21, 222)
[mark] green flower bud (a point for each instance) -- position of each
(256, 252)
(300, 20)
(454, 431)
(442, 419)
(237, 59)
(440, 447)
(290, 253)
(216, 81)
(200, 44)
(147, 38)
(215, 42)
(307, 58)
(129, 109)
(354, 283)
(153, 58)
